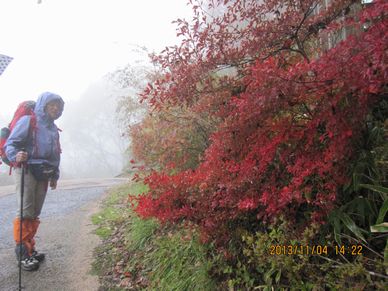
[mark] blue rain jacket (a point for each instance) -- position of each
(44, 147)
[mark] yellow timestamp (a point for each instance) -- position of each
(278, 250)
(354, 250)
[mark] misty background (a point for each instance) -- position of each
(92, 138)
(93, 135)
(93, 54)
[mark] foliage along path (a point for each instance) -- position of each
(268, 127)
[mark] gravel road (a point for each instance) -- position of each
(65, 235)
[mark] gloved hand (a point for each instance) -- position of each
(21, 157)
(53, 184)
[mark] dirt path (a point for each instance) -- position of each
(67, 238)
(69, 242)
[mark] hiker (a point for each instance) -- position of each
(34, 144)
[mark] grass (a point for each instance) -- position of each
(179, 264)
(141, 233)
(141, 254)
(111, 213)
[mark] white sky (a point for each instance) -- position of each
(64, 45)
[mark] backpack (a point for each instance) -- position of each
(24, 108)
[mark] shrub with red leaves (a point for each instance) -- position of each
(286, 139)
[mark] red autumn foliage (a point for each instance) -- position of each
(286, 141)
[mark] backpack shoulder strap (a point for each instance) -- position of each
(32, 132)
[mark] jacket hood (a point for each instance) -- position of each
(41, 103)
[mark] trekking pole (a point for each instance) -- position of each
(21, 225)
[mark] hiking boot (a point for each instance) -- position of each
(38, 256)
(23, 252)
(29, 264)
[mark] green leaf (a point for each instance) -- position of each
(361, 207)
(382, 227)
(337, 231)
(336, 222)
(382, 212)
(350, 224)
(379, 189)
(268, 275)
(278, 275)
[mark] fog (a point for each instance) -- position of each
(92, 136)
(70, 58)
